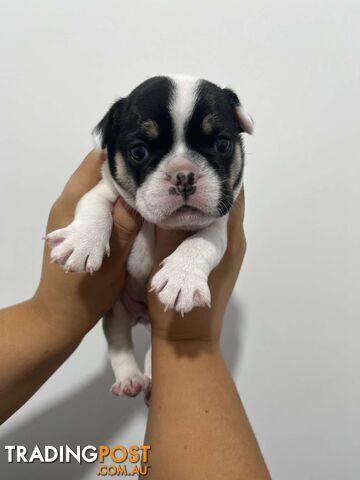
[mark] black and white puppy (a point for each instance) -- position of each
(174, 153)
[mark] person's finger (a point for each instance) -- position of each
(166, 242)
(236, 220)
(85, 177)
(126, 224)
(236, 245)
(237, 212)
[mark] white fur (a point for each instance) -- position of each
(182, 281)
(141, 259)
(245, 120)
(108, 178)
(82, 245)
(129, 380)
(97, 139)
(181, 107)
(152, 198)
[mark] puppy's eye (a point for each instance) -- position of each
(139, 152)
(222, 144)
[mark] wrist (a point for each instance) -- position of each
(182, 358)
(184, 346)
(200, 327)
(57, 322)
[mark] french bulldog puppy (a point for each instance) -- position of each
(175, 154)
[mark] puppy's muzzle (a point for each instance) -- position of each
(183, 183)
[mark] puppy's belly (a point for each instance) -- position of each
(139, 266)
(135, 301)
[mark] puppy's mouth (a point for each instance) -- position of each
(187, 212)
(187, 209)
(187, 217)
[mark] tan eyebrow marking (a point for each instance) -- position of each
(208, 124)
(237, 165)
(151, 129)
(122, 175)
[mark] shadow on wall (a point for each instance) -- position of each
(91, 416)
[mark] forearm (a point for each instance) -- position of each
(197, 425)
(31, 349)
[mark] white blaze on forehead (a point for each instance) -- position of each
(182, 105)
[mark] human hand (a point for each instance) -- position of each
(201, 324)
(74, 302)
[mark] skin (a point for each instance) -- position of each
(65, 306)
(210, 435)
(197, 426)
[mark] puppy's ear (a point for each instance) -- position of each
(106, 128)
(245, 121)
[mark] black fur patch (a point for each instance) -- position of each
(122, 127)
(211, 99)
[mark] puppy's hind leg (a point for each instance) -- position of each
(129, 380)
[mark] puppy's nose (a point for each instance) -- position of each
(183, 177)
(184, 183)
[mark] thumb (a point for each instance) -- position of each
(166, 242)
(126, 224)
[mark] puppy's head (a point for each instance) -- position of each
(174, 150)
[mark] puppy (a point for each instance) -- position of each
(175, 154)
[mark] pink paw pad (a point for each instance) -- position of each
(130, 387)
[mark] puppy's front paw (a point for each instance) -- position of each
(78, 247)
(181, 286)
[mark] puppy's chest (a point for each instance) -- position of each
(139, 265)
(141, 259)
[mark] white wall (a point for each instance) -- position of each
(291, 335)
